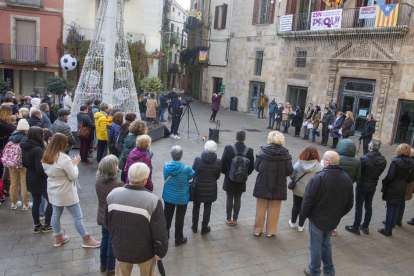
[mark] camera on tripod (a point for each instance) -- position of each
(189, 100)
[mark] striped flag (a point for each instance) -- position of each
(387, 15)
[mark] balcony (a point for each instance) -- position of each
(193, 22)
(23, 54)
(350, 24)
(175, 39)
(173, 67)
(34, 4)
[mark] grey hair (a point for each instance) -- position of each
(371, 116)
(43, 106)
(108, 168)
(35, 112)
(374, 145)
(210, 147)
(138, 172)
(176, 153)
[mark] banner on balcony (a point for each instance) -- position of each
(286, 23)
(387, 15)
(367, 12)
(329, 19)
(202, 56)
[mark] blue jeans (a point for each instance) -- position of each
(143, 118)
(314, 132)
(392, 215)
(271, 119)
(107, 253)
(363, 195)
(76, 213)
(321, 249)
(162, 114)
(42, 206)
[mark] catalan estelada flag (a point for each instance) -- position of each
(202, 56)
(387, 15)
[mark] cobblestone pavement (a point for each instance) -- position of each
(225, 250)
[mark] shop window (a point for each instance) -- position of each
(259, 63)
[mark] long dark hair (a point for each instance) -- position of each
(35, 133)
(129, 118)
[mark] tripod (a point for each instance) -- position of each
(188, 110)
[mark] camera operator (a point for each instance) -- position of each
(176, 106)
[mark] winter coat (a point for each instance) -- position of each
(262, 100)
(315, 119)
(176, 107)
(45, 120)
(337, 124)
(32, 153)
(327, 119)
(298, 119)
(62, 127)
(102, 191)
(62, 99)
(279, 114)
(52, 117)
(228, 155)
(172, 95)
(346, 126)
(328, 197)
(129, 145)
(35, 102)
(349, 163)
(288, 111)
(163, 101)
(14, 107)
(372, 166)
(87, 122)
(272, 108)
(94, 110)
(207, 169)
(34, 121)
(101, 122)
(177, 188)
(67, 103)
(216, 103)
(17, 137)
(113, 134)
(369, 129)
(151, 108)
(62, 181)
(139, 155)
(301, 167)
(274, 164)
(6, 131)
(142, 106)
(309, 114)
(46, 99)
(394, 185)
(122, 135)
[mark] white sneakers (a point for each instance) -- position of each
(174, 136)
(292, 225)
(300, 229)
(15, 206)
(27, 207)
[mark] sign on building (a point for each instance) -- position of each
(367, 12)
(329, 19)
(286, 23)
(222, 89)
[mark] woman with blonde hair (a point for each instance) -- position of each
(62, 189)
(347, 124)
(394, 186)
(274, 164)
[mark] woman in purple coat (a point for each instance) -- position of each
(140, 154)
(215, 106)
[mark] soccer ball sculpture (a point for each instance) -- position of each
(68, 62)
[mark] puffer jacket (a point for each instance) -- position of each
(102, 191)
(34, 121)
(101, 122)
(207, 169)
(301, 167)
(62, 127)
(315, 118)
(113, 134)
(350, 164)
(129, 145)
(46, 123)
(372, 166)
(32, 153)
(394, 185)
(17, 137)
(272, 108)
(274, 164)
(177, 188)
(139, 155)
(288, 111)
(87, 122)
(346, 126)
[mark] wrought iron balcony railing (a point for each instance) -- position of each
(34, 3)
(23, 54)
(193, 22)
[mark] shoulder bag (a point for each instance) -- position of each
(292, 184)
(83, 131)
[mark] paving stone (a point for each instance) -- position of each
(55, 257)
(16, 262)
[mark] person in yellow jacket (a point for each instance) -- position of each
(262, 103)
(101, 122)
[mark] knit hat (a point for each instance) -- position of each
(22, 125)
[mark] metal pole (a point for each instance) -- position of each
(109, 54)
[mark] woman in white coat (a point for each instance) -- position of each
(62, 172)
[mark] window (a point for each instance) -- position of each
(201, 37)
(195, 6)
(172, 27)
(183, 17)
(263, 12)
(220, 17)
(259, 63)
(178, 30)
(179, 13)
(173, 9)
(301, 58)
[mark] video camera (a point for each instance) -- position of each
(188, 101)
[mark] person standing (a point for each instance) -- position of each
(151, 108)
(85, 120)
(408, 196)
(394, 186)
(129, 119)
(101, 122)
(47, 98)
(335, 127)
(177, 107)
(62, 98)
(35, 117)
(215, 107)
(207, 169)
(273, 164)
(36, 101)
(347, 125)
(366, 134)
(316, 117)
(327, 120)
(262, 102)
(61, 126)
(234, 190)
(308, 119)
(146, 226)
(163, 105)
(114, 131)
(272, 110)
(171, 96)
(306, 168)
(350, 164)
(45, 119)
(372, 166)
(298, 120)
(62, 189)
(96, 106)
(285, 117)
(328, 197)
(68, 101)
(279, 115)
(142, 103)
(106, 181)
(176, 193)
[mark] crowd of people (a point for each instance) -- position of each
(136, 223)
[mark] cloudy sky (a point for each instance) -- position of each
(184, 3)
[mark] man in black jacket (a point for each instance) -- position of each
(61, 125)
(135, 220)
(176, 106)
(328, 197)
(164, 105)
(35, 118)
(366, 134)
(327, 120)
(171, 96)
(372, 166)
(234, 190)
(84, 119)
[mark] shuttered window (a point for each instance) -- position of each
(25, 32)
(263, 12)
(220, 17)
(259, 63)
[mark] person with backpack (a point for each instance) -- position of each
(84, 119)
(114, 131)
(274, 164)
(237, 164)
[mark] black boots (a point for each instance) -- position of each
(352, 230)
(385, 233)
(204, 228)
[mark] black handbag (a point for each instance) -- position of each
(292, 184)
